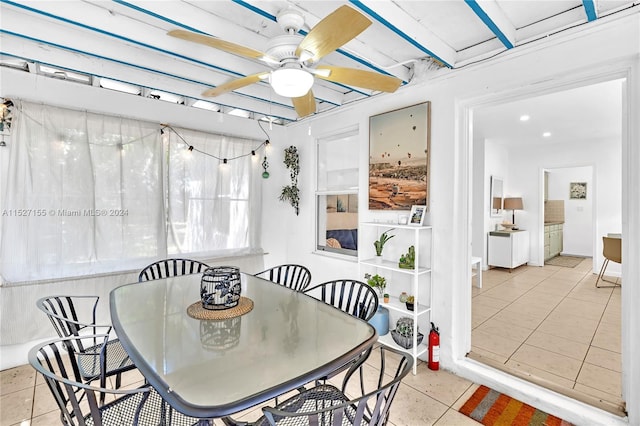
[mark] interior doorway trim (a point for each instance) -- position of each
(543, 398)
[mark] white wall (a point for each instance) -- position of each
(526, 164)
(578, 228)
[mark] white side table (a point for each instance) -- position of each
(476, 263)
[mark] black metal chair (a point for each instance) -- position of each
(374, 389)
(352, 296)
(75, 316)
(171, 268)
(296, 277)
(79, 402)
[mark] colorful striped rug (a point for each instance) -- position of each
(491, 408)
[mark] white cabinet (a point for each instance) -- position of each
(508, 249)
(417, 282)
(552, 240)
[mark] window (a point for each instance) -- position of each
(87, 193)
(337, 194)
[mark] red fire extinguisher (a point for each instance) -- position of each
(434, 348)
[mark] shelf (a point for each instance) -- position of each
(393, 266)
(395, 305)
(420, 278)
(394, 225)
(387, 340)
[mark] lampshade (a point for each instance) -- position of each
(291, 82)
(513, 203)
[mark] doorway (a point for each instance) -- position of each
(539, 322)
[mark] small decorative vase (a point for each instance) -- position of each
(403, 297)
(380, 321)
(385, 297)
(378, 259)
(409, 306)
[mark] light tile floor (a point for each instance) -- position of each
(552, 325)
(428, 398)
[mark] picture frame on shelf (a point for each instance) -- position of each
(416, 217)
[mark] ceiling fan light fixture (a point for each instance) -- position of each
(291, 82)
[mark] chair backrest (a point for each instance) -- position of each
(73, 316)
(171, 268)
(69, 314)
(371, 404)
(612, 249)
(296, 277)
(77, 401)
(352, 296)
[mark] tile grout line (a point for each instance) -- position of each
(591, 341)
(544, 319)
(585, 275)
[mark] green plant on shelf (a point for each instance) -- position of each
(408, 260)
(404, 327)
(409, 303)
(381, 241)
(378, 282)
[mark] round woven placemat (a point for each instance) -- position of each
(196, 310)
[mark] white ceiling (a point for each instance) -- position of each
(127, 41)
(582, 114)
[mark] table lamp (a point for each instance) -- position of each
(513, 204)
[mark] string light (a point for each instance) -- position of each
(191, 148)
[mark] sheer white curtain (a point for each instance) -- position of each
(87, 194)
(213, 207)
(83, 194)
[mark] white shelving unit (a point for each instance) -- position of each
(421, 284)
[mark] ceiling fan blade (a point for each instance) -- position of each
(305, 105)
(235, 84)
(360, 78)
(336, 29)
(220, 44)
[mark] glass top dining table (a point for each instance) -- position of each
(214, 368)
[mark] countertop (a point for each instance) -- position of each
(504, 232)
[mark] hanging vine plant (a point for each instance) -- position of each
(291, 193)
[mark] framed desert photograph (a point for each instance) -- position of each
(399, 151)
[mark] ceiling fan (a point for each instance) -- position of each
(293, 57)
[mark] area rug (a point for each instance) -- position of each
(492, 408)
(565, 261)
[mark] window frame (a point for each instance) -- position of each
(351, 190)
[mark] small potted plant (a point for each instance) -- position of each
(385, 297)
(403, 334)
(378, 282)
(380, 242)
(409, 302)
(408, 260)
